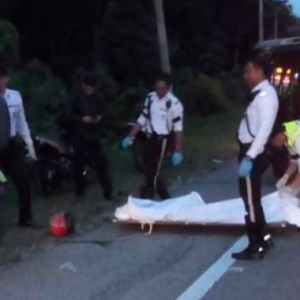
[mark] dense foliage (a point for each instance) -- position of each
(208, 40)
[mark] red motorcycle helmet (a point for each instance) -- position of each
(61, 224)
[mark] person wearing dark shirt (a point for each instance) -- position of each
(86, 113)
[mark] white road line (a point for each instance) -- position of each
(215, 272)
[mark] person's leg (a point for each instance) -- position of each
(154, 156)
(79, 162)
(263, 161)
(100, 162)
(250, 191)
(162, 190)
(17, 169)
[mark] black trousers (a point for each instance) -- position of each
(250, 191)
(90, 152)
(155, 150)
(12, 162)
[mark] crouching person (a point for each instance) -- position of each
(289, 135)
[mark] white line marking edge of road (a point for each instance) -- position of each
(214, 273)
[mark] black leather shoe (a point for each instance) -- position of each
(250, 253)
(30, 224)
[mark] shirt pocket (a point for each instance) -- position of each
(163, 113)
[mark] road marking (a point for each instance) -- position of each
(215, 272)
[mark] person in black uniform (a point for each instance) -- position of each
(86, 114)
(15, 144)
(255, 154)
(162, 116)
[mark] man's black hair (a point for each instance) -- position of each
(278, 128)
(3, 71)
(165, 77)
(263, 64)
(89, 79)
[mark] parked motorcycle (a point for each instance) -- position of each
(55, 165)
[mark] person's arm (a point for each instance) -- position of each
(23, 129)
(292, 169)
(178, 141)
(135, 130)
(75, 114)
(177, 121)
(295, 184)
(102, 107)
(267, 112)
(295, 167)
(142, 120)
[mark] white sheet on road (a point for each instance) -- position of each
(193, 209)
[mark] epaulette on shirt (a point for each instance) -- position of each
(13, 98)
(263, 94)
(14, 92)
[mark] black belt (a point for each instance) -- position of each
(157, 136)
(244, 146)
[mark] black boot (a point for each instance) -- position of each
(251, 252)
(266, 236)
(268, 241)
(256, 248)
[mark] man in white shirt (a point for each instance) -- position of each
(12, 158)
(162, 116)
(254, 154)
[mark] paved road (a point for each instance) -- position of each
(120, 263)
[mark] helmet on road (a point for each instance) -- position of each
(61, 224)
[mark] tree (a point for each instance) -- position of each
(9, 43)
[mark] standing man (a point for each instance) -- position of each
(254, 157)
(86, 113)
(162, 116)
(13, 125)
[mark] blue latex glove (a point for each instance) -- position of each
(177, 158)
(246, 167)
(127, 142)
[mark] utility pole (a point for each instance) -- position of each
(277, 4)
(261, 20)
(276, 22)
(162, 36)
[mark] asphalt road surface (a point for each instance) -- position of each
(175, 263)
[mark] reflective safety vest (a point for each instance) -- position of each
(292, 132)
(2, 177)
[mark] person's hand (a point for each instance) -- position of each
(97, 119)
(31, 153)
(177, 158)
(87, 120)
(281, 183)
(127, 142)
(245, 167)
(2, 177)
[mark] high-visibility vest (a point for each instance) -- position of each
(292, 132)
(2, 177)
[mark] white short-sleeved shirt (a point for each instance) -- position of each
(261, 114)
(18, 121)
(166, 114)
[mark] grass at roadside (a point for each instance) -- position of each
(210, 141)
